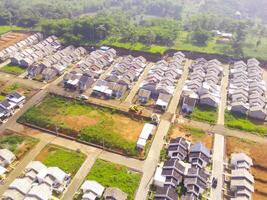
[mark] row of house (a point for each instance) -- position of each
(186, 166)
(89, 69)
(6, 159)
(30, 55)
(37, 183)
(55, 64)
(92, 190)
(203, 85)
(161, 81)
(121, 78)
(247, 89)
(14, 49)
(242, 181)
(8, 106)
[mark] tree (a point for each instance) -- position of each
(199, 37)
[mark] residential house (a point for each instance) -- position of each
(114, 194)
(240, 161)
(166, 193)
(163, 101)
(178, 148)
(6, 157)
(199, 155)
(16, 98)
(91, 190)
(143, 96)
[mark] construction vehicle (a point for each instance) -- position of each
(135, 109)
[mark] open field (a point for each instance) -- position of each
(11, 38)
(18, 144)
(259, 154)
(5, 29)
(13, 69)
(192, 134)
(23, 90)
(243, 123)
(67, 160)
(114, 175)
(204, 114)
(86, 122)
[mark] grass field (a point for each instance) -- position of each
(204, 114)
(23, 90)
(4, 29)
(113, 175)
(259, 154)
(13, 69)
(18, 144)
(96, 125)
(243, 123)
(67, 160)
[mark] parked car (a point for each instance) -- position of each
(83, 97)
(214, 182)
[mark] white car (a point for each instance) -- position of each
(83, 97)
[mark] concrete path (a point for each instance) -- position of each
(135, 88)
(22, 164)
(217, 166)
(152, 160)
(223, 104)
(5, 63)
(178, 91)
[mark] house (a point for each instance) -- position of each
(174, 172)
(4, 114)
(241, 184)
(159, 179)
(114, 194)
(143, 96)
(8, 106)
(166, 193)
(91, 190)
(49, 74)
(16, 98)
(163, 101)
(240, 107)
(240, 161)
(117, 89)
(178, 148)
(189, 196)
(257, 112)
(146, 133)
(33, 168)
(18, 189)
(190, 100)
(199, 155)
(209, 100)
(101, 89)
(6, 157)
(39, 192)
(85, 82)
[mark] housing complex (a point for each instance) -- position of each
(184, 168)
(6, 159)
(89, 69)
(203, 85)
(121, 79)
(37, 183)
(247, 89)
(161, 81)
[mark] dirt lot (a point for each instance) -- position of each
(192, 135)
(259, 154)
(11, 38)
(23, 90)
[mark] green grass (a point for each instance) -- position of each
(18, 144)
(4, 29)
(196, 132)
(113, 175)
(13, 69)
(204, 114)
(67, 160)
(240, 122)
(2, 97)
(106, 128)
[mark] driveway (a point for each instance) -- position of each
(217, 166)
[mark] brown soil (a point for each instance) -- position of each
(180, 131)
(76, 122)
(11, 38)
(259, 154)
(128, 128)
(43, 154)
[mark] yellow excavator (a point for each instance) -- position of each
(135, 109)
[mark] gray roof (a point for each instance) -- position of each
(200, 147)
(115, 193)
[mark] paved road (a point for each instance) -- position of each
(22, 164)
(223, 104)
(5, 63)
(152, 160)
(217, 166)
(135, 88)
(178, 91)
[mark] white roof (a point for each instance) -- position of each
(7, 155)
(93, 186)
(102, 89)
(89, 196)
(21, 184)
(36, 166)
(158, 178)
(2, 170)
(141, 143)
(55, 172)
(161, 103)
(147, 131)
(42, 192)
(237, 157)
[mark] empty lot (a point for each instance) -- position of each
(10, 38)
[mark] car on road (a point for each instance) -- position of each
(83, 97)
(214, 182)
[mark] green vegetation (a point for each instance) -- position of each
(13, 69)
(114, 175)
(97, 125)
(163, 154)
(18, 144)
(67, 160)
(4, 29)
(196, 132)
(240, 122)
(2, 97)
(204, 114)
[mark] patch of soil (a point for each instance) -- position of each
(76, 122)
(43, 154)
(180, 131)
(128, 128)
